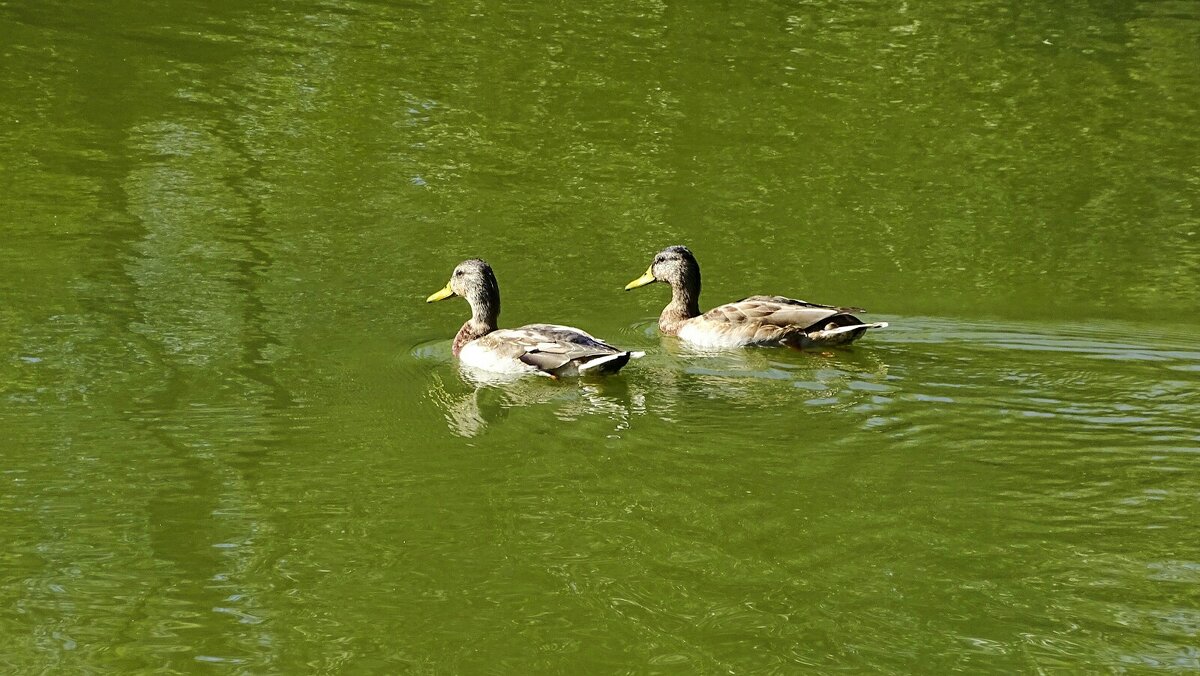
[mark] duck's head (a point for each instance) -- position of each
(674, 265)
(474, 280)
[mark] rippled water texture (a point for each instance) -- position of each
(234, 439)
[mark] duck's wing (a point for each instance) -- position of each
(566, 335)
(793, 302)
(757, 312)
(552, 347)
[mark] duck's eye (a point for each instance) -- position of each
(659, 259)
(458, 273)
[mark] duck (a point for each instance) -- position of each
(751, 321)
(545, 349)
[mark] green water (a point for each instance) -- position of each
(234, 439)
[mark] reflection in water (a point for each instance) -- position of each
(774, 379)
(492, 395)
(881, 383)
(751, 379)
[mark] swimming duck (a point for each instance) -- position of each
(756, 320)
(546, 349)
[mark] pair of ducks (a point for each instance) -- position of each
(554, 350)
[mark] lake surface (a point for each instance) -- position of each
(234, 439)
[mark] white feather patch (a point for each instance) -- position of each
(478, 357)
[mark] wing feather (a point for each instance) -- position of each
(549, 347)
(758, 313)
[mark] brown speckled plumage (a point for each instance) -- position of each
(755, 320)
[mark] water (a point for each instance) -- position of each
(234, 439)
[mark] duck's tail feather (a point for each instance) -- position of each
(841, 335)
(853, 327)
(609, 363)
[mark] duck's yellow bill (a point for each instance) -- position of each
(445, 293)
(645, 279)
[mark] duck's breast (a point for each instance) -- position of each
(703, 333)
(477, 354)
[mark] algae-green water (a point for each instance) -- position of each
(233, 438)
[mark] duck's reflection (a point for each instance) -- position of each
(493, 395)
(767, 377)
(675, 384)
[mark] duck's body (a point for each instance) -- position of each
(545, 349)
(548, 349)
(756, 320)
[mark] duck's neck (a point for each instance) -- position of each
(485, 311)
(685, 304)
